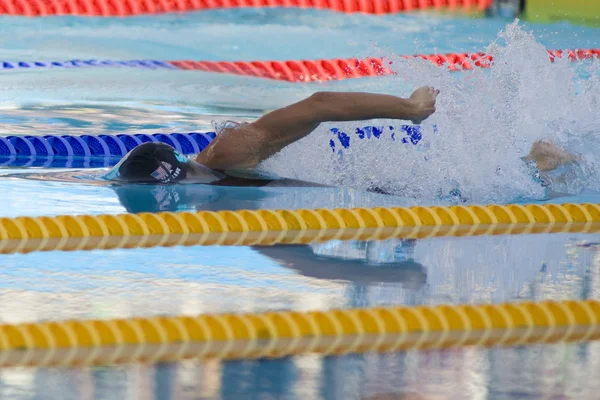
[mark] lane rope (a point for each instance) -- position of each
(269, 227)
(94, 151)
(286, 333)
(114, 146)
(300, 71)
(106, 8)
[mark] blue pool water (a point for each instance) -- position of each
(486, 119)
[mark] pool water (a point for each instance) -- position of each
(486, 121)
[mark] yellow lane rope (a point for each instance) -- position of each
(278, 334)
(267, 227)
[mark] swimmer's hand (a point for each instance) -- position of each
(424, 101)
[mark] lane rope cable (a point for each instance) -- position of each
(269, 227)
(299, 71)
(285, 333)
(106, 8)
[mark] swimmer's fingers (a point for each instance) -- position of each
(433, 91)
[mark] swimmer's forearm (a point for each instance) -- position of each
(289, 124)
(333, 106)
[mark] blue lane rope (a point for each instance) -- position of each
(147, 64)
(98, 146)
(91, 151)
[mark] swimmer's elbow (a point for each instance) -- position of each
(320, 98)
(323, 106)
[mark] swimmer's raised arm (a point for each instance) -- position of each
(247, 146)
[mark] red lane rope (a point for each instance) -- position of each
(34, 8)
(293, 71)
(337, 69)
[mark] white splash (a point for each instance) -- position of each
(487, 121)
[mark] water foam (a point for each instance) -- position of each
(487, 121)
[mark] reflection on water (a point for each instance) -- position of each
(111, 117)
(193, 197)
(550, 372)
(334, 274)
(308, 261)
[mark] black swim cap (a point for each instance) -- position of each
(151, 163)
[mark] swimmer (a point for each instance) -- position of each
(231, 158)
